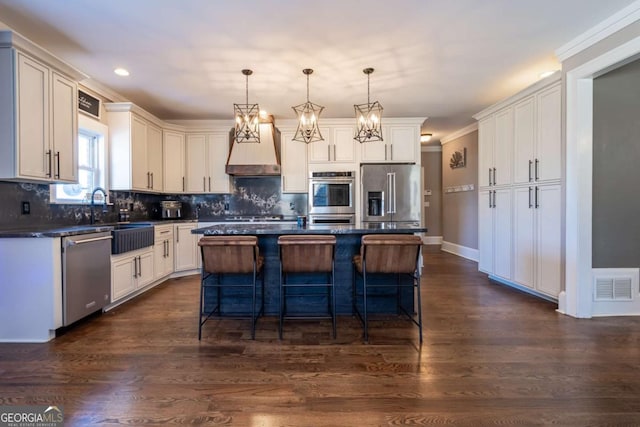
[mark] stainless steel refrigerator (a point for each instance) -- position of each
(390, 192)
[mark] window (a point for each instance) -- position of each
(91, 166)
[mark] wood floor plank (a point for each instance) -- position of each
(491, 356)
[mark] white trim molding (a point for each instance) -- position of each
(431, 149)
(579, 175)
(461, 251)
(459, 133)
(604, 29)
(431, 240)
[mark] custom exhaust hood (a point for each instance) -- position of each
(256, 159)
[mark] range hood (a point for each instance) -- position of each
(253, 159)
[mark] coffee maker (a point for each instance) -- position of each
(171, 209)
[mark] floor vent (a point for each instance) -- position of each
(613, 289)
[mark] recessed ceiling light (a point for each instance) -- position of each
(547, 73)
(121, 72)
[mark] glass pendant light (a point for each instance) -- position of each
(308, 114)
(247, 117)
(368, 117)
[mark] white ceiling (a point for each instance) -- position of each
(442, 59)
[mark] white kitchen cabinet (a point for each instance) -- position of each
(131, 271)
(39, 109)
(294, 163)
(337, 147)
(163, 251)
(206, 156)
(401, 144)
(537, 238)
(537, 138)
(185, 247)
(135, 149)
(494, 237)
(495, 148)
(174, 162)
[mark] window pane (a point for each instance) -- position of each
(84, 151)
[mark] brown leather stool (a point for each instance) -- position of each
(393, 254)
(230, 255)
(307, 254)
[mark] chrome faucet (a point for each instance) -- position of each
(93, 203)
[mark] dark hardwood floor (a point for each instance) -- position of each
(491, 356)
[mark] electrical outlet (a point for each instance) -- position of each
(26, 208)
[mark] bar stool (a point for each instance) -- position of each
(390, 254)
(226, 255)
(307, 254)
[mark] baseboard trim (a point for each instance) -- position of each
(462, 251)
(501, 281)
(431, 240)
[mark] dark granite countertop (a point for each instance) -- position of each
(73, 230)
(276, 228)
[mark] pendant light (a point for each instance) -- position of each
(368, 117)
(308, 114)
(247, 117)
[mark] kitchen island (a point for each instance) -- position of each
(347, 244)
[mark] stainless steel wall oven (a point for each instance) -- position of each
(332, 193)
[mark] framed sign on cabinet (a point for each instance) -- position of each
(88, 105)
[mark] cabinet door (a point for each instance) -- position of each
(486, 136)
(294, 164)
(344, 149)
(139, 172)
(196, 163)
(502, 231)
(173, 148)
(185, 248)
(375, 151)
(35, 156)
(218, 151)
(549, 138)
(123, 280)
(524, 141)
(549, 239)
(523, 239)
(319, 151)
(502, 148)
(403, 143)
(64, 127)
(145, 269)
(154, 157)
(485, 231)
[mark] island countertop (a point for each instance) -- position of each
(288, 228)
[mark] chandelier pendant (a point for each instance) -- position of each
(308, 114)
(368, 117)
(247, 117)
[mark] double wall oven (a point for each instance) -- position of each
(332, 198)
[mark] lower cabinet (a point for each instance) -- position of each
(131, 271)
(163, 251)
(537, 238)
(187, 255)
(494, 232)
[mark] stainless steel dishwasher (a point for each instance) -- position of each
(86, 275)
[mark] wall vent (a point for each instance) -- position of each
(613, 289)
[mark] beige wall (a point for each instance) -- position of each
(432, 166)
(460, 209)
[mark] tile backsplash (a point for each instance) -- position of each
(249, 196)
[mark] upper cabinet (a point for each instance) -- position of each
(136, 149)
(38, 114)
(537, 138)
(294, 163)
(401, 142)
(337, 147)
(206, 156)
(174, 162)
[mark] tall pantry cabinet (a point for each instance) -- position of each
(520, 194)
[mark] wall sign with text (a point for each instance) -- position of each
(88, 104)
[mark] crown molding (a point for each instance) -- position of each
(460, 132)
(599, 32)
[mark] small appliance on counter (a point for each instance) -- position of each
(171, 209)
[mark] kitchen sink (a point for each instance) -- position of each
(131, 236)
